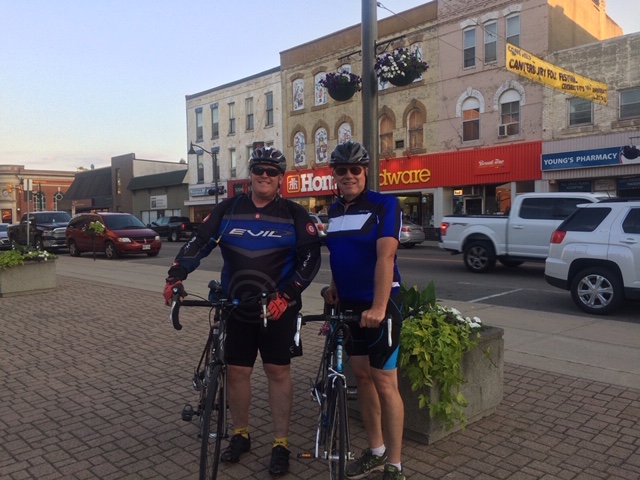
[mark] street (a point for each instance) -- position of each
(521, 287)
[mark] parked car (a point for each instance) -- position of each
(595, 254)
(411, 234)
(43, 230)
(5, 244)
(321, 221)
(124, 235)
(173, 228)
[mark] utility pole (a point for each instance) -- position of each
(370, 90)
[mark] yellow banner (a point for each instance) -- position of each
(523, 63)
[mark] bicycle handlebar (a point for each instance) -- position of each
(345, 317)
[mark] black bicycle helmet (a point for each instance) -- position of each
(268, 156)
(349, 153)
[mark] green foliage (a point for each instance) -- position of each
(432, 342)
(14, 258)
(96, 227)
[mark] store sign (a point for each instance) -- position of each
(599, 157)
(198, 192)
(309, 183)
(628, 183)
(491, 166)
(409, 178)
(158, 202)
(527, 65)
(575, 186)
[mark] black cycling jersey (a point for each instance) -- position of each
(274, 248)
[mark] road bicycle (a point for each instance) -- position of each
(330, 392)
(210, 376)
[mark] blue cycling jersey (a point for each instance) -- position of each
(351, 240)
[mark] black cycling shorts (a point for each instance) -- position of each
(374, 342)
(246, 339)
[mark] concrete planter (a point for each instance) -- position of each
(32, 277)
(483, 369)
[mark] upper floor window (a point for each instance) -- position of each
(233, 160)
(630, 103)
(298, 94)
(57, 198)
(269, 111)
(513, 30)
(215, 167)
(415, 122)
(469, 44)
(248, 106)
(199, 124)
(215, 121)
(580, 112)
(322, 146)
(490, 42)
(470, 119)
(200, 160)
(232, 118)
(320, 97)
(386, 134)
(344, 132)
(39, 201)
(509, 114)
(299, 143)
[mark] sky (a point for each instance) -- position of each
(82, 81)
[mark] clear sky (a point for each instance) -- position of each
(84, 80)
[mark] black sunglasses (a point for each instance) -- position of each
(271, 172)
(341, 171)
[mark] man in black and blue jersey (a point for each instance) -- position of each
(362, 238)
(268, 243)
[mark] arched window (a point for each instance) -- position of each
(299, 143)
(415, 123)
(470, 119)
(57, 198)
(344, 132)
(322, 146)
(509, 114)
(417, 50)
(320, 97)
(39, 201)
(298, 94)
(386, 134)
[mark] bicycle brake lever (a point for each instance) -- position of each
(389, 337)
(263, 300)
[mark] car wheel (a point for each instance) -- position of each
(511, 263)
(110, 251)
(174, 237)
(408, 245)
(597, 290)
(479, 257)
(152, 254)
(73, 249)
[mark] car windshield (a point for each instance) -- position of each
(122, 222)
(3, 228)
(53, 217)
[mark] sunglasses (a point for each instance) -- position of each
(342, 171)
(271, 172)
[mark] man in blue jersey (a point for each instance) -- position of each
(363, 237)
(270, 244)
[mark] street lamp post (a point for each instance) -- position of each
(214, 158)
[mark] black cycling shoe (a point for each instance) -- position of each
(237, 446)
(279, 464)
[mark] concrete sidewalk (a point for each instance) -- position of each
(94, 379)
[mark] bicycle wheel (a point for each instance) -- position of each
(337, 441)
(213, 424)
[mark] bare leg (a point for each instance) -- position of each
(239, 394)
(386, 384)
(368, 400)
(280, 397)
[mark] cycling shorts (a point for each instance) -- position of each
(374, 341)
(246, 339)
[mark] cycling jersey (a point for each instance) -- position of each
(351, 240)
(273, 248)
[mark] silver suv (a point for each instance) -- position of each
(595, 253)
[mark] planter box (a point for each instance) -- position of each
(483, 389)
(32, 277)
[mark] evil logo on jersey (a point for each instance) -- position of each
(260, 233)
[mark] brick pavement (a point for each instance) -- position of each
(93, 381)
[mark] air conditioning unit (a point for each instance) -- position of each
(502, 130)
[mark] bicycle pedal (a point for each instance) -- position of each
(187, 413)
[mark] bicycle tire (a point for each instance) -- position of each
(213, 425)
(337, 441)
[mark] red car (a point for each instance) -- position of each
(123, 234)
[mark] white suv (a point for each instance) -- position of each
(595, 253)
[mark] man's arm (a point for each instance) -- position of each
(386, 248)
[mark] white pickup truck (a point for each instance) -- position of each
(522, 235)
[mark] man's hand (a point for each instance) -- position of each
(330, 295)
(276, 307)
(168, 289)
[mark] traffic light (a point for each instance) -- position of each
(9, 187)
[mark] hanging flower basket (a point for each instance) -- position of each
(341, 86)
(631, 152)
(400, 67)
